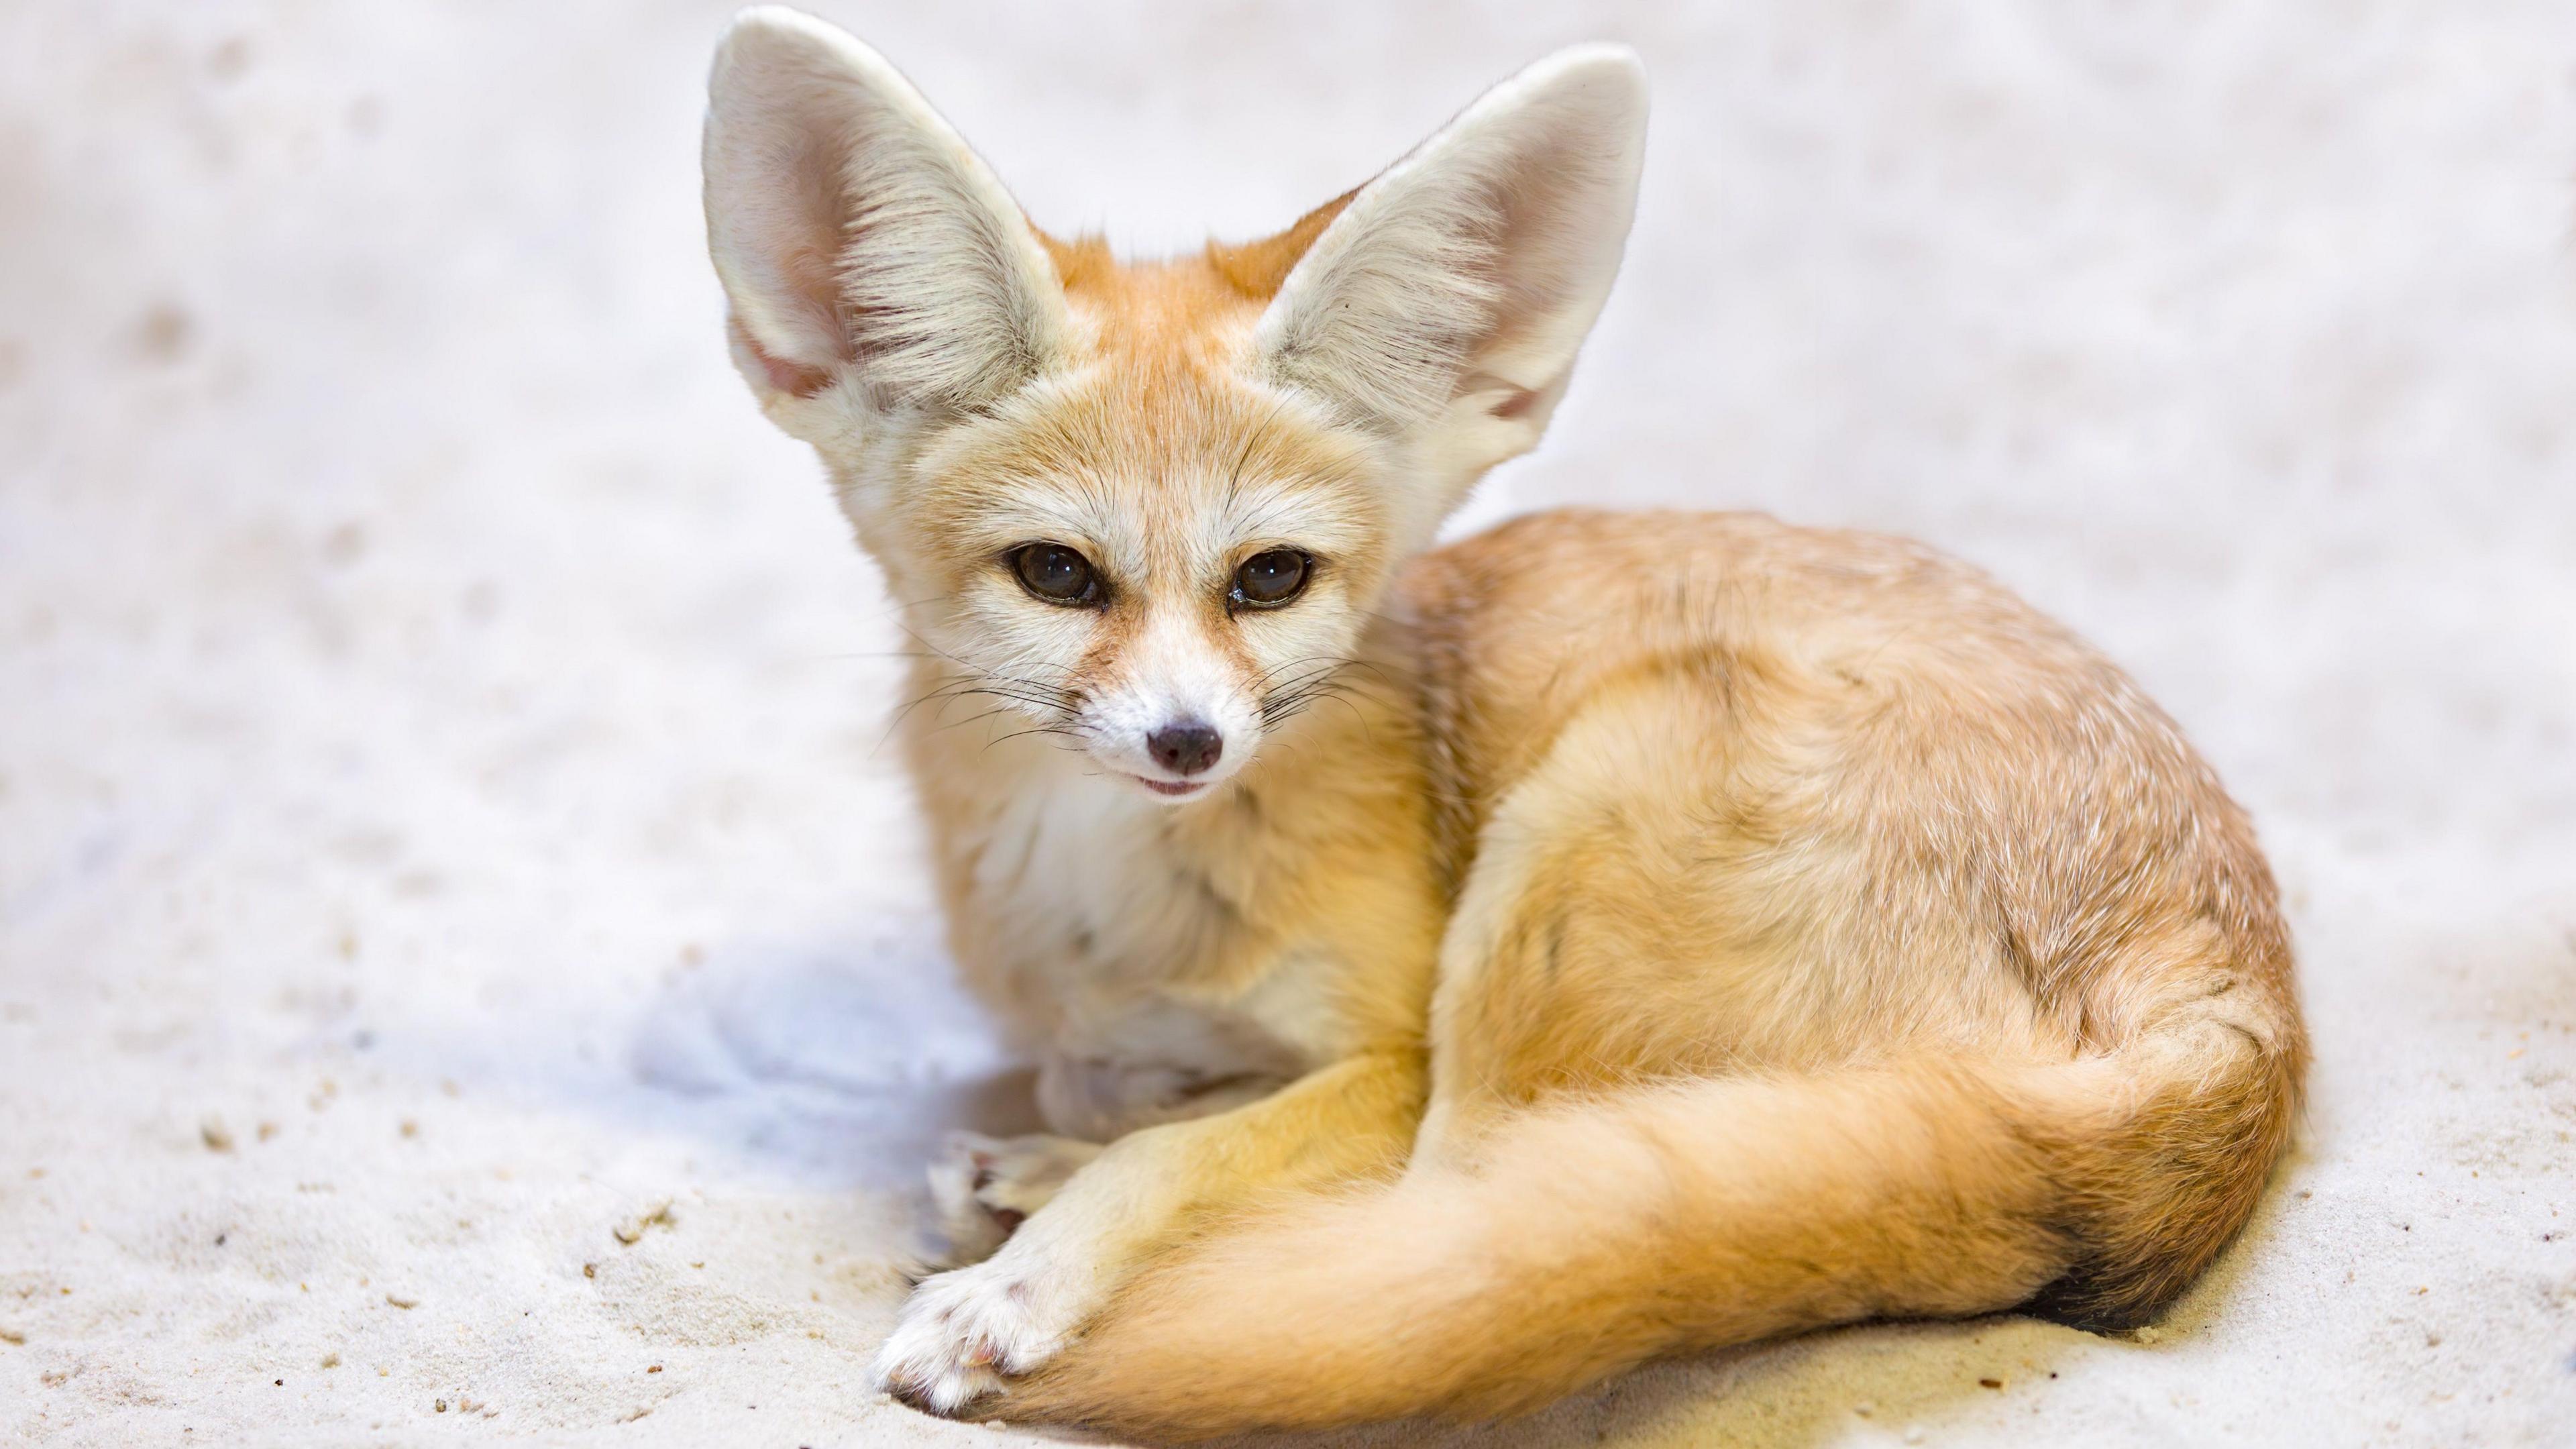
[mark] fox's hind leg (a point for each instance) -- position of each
(1585, 952)
(1671, 893)
(986, 1186)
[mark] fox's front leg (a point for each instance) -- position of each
(962, 1333)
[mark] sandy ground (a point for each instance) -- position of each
(465, 973)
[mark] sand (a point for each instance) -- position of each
(466, 973)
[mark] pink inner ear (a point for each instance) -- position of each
(793, 378)
(1513, 401)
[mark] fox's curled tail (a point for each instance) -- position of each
(1589, 1237)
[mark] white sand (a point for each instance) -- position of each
(440, 818)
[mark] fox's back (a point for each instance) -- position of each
(1519, 624)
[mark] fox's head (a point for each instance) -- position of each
(1151, 505)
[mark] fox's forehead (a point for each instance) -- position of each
(1156, 448)
(1154, 481)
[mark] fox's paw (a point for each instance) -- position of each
(962, 1333)
(986, 1186)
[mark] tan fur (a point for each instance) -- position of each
(1605, 937)
(1256, 268)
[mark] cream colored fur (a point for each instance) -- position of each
(1600, 938)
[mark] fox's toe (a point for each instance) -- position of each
(962, 1334)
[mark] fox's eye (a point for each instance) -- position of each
(1057, 574)
(1268, 580)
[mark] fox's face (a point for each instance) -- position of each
(1160, 568)
(1147, 509)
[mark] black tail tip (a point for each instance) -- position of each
(2097, 1302)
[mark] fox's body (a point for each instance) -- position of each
(1491, 966)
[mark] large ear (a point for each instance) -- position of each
(1453, 291)
(858, 238)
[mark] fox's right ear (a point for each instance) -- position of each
(862, 245)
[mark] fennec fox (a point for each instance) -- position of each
(1459, 975)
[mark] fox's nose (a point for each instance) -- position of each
(1185, 748)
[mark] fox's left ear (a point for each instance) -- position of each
(1445, 303)
(865, 250)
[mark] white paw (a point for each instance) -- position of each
(985, 1187)
(962, 1333)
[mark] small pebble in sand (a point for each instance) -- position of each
(440, 1405)
(217, 1137)
(655, 1369)
(1990, 1383)
(164, 332)
(399, 1301)
(330, 1360)
(267, 1130)
(11, 1335)
(590, 1270)
(632, 1232)
(410, 1128)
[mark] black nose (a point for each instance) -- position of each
(1185, 748)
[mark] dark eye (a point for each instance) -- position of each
(1055, 573)
(1268, 580)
